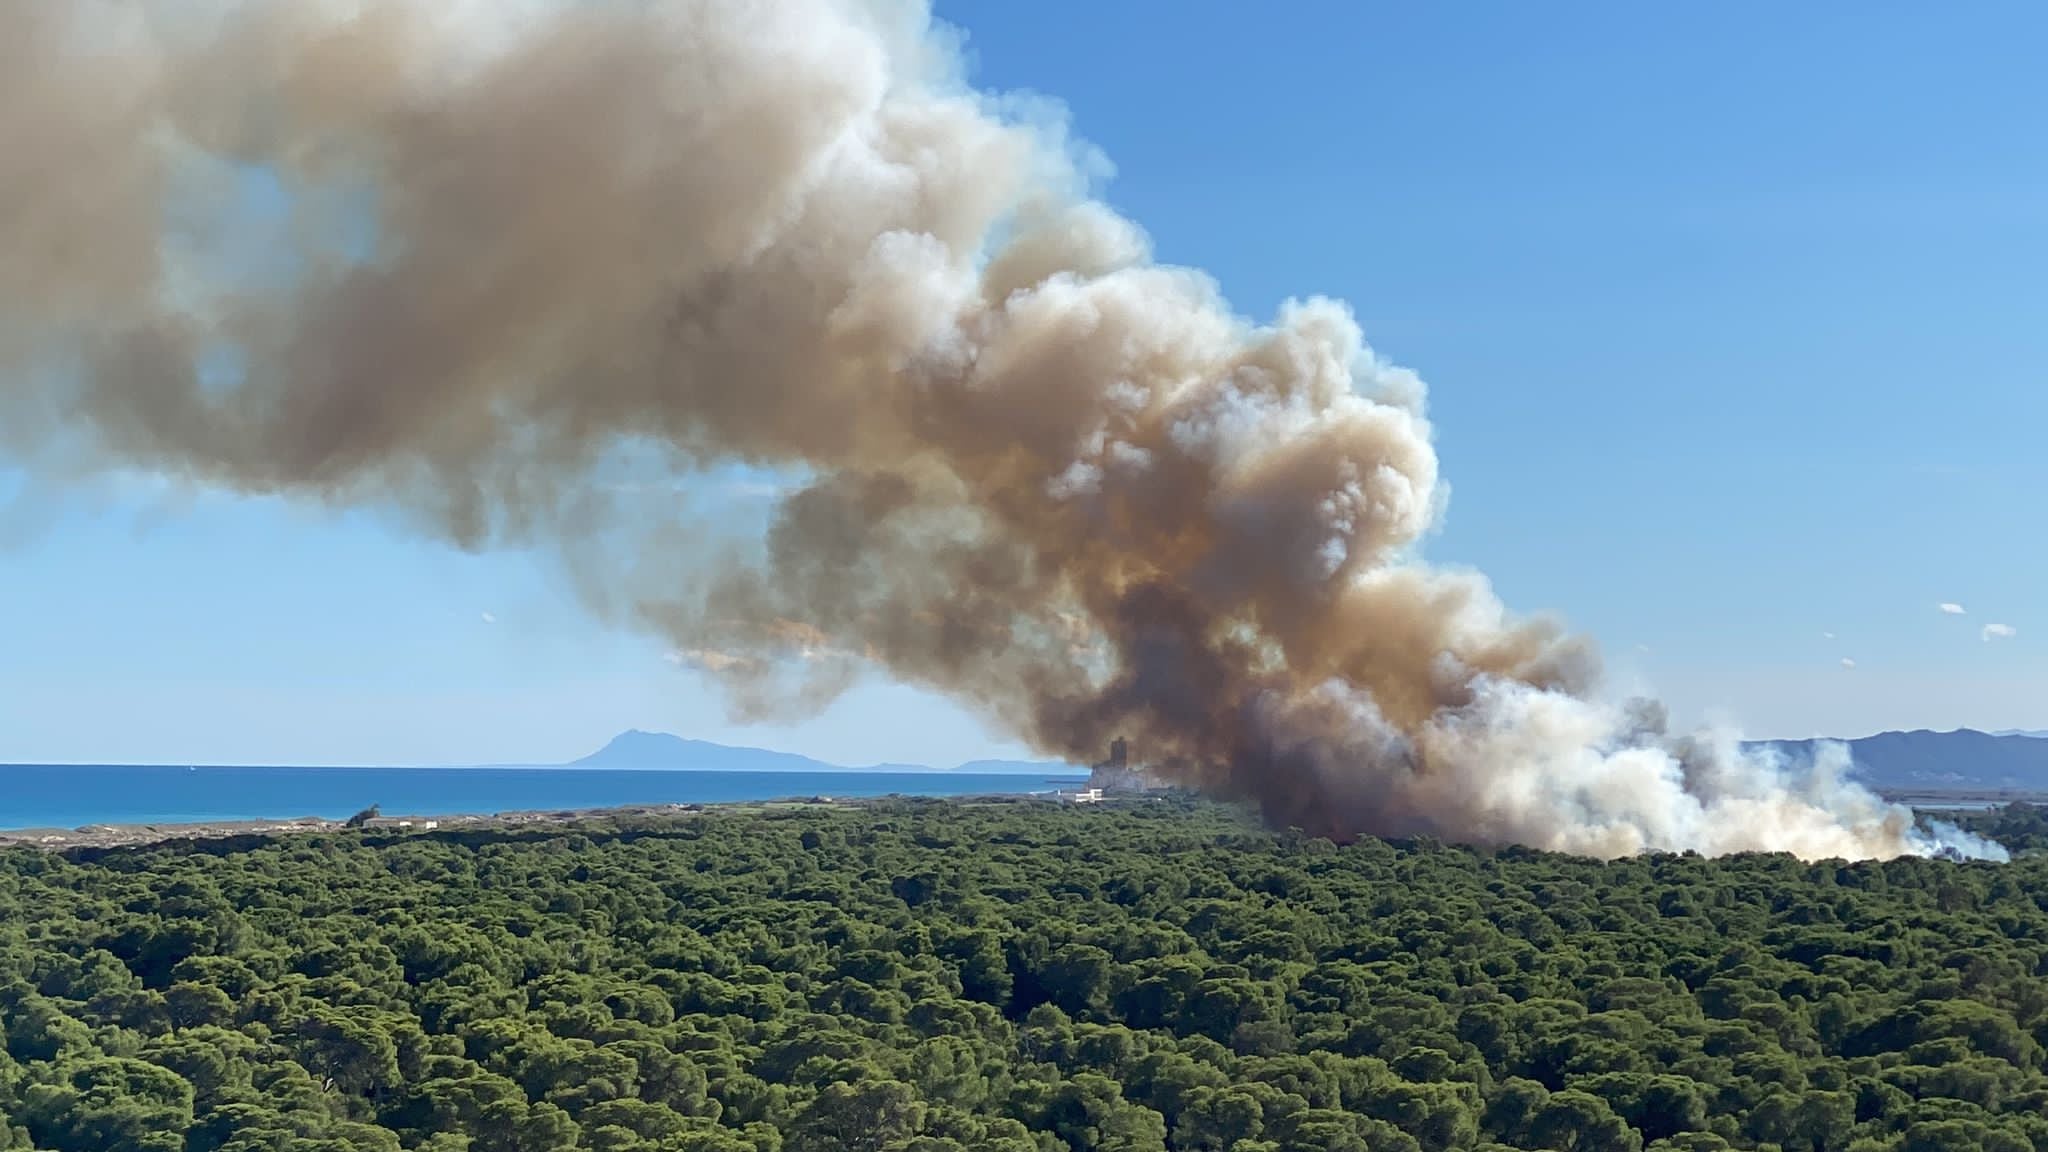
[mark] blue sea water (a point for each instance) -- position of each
(70, 796)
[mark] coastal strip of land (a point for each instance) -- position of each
(1959, 799)
(142, 834)
(103, 836)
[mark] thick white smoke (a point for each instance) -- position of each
(1052, 478)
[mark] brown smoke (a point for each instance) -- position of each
(1051, 478)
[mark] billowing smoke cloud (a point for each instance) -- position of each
(502, 243)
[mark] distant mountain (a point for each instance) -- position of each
(637, 749)
(1962, 759)
(2036, 733)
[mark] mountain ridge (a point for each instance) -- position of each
(635, 748)
(1957, 759)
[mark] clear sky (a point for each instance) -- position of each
(1734, 316)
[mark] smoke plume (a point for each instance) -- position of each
(505, 243)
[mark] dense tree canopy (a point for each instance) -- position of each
(1011, 977)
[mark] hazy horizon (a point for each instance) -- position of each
(827, 762)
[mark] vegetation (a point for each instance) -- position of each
(2020, 827)
(934, 977)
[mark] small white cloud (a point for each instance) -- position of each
(488, 618)
(1827, 635)
(1951, 609)
(1848, 663)
(1999, 631)
(1644, 648)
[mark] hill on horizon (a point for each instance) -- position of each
(1962, 759)
(637, 749)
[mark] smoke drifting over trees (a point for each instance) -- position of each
(1044, 475)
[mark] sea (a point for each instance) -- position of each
(73, 796)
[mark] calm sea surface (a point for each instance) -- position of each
(67, 796)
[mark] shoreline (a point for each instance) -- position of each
(144, 834)
(64, 807)
(1959, 799)
(137, 834)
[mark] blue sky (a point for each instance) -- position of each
(1732, 316)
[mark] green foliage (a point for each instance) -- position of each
(957, 977)
(2023, 828)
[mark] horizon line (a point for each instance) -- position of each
(906, 767)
